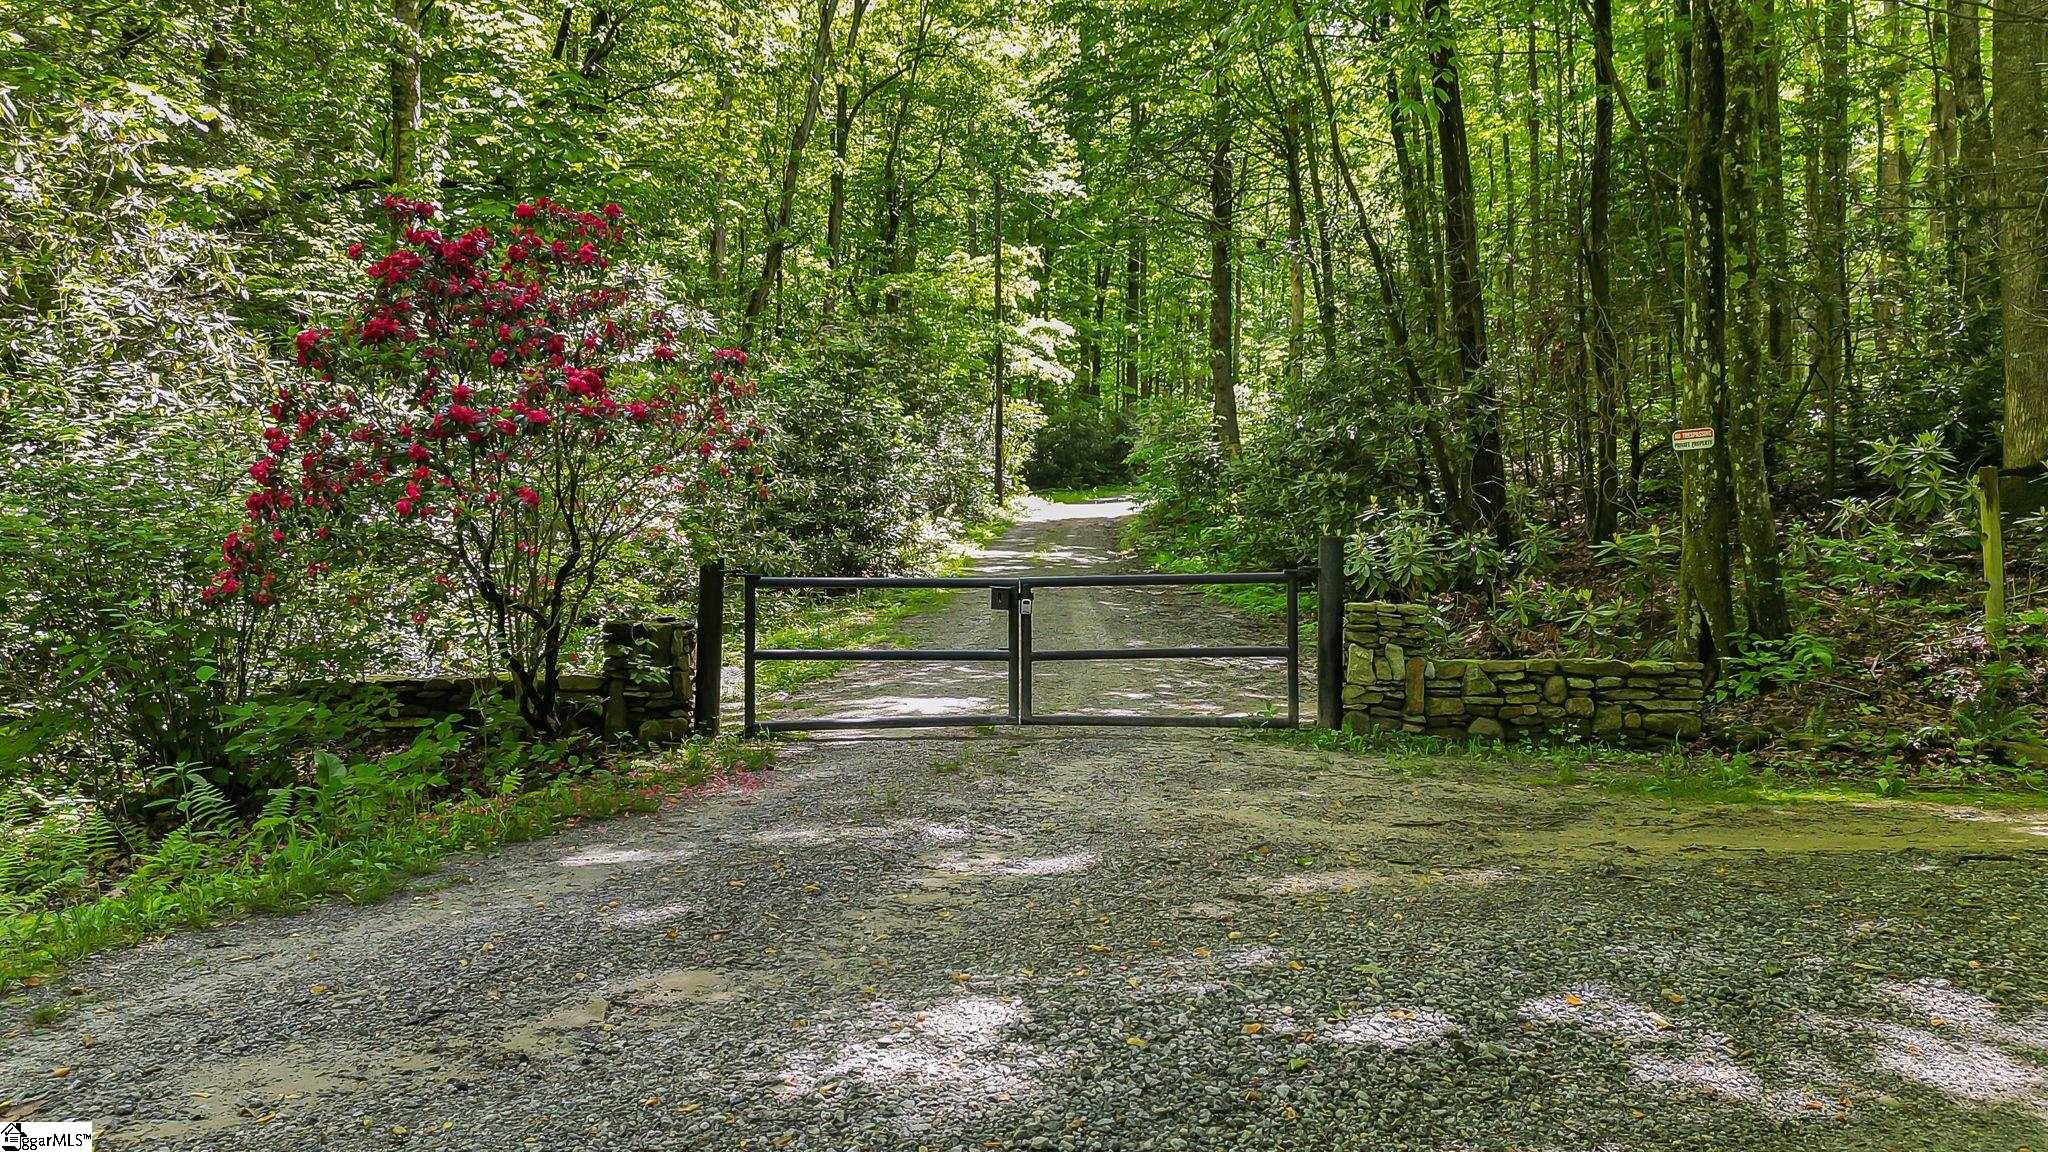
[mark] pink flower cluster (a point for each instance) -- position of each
(475, 364)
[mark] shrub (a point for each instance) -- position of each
(1406, 553)
(503, 418)
(1082, 445)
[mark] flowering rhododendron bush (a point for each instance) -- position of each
(500, 413)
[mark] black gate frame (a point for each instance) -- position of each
(1013, 594)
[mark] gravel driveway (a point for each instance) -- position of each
(1108, 939)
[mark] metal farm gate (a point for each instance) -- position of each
(1013, 595)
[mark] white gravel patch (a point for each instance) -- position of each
(1395, 1028)
(1946, 1006)
(1959, 1068)
(1311, 883)
(1597, 1008)
(828, 835)
(1704, 1067)
(952, 1057)
(614, 856)
(996, 864)
(654, 915)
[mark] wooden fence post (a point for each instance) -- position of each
(710, 645)
(1330, 633)
(1993, 537)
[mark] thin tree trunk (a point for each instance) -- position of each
(1973, 266)
(2019, 42)
(1297, 246)
(1222, 211)
(1134, 385)
(1749, 316)
(779, 214)
(1705, 617)
(1391, 307)
(1830, 198)
(1000, 355)
(1098, 309)
(835, 211)
(1600, 340)
(403, 156)
(1461, 249)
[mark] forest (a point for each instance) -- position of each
(422, 334)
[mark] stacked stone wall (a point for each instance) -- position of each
(1395, 681)
(644, 688)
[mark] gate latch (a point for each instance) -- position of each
(999, 598)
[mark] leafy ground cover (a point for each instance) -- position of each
(358, 833)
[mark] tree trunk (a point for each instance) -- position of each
(1705, 617)
(835, 210)
(1749, 315)
(1098, 310)
(1829, 195)
(894, 209)
(1461, 250)
(1134, 274)
(1972, 263)
(2019, 44)
(1392, 310)
(403, 156)
(1297, 246)
(778, 218)
(1000, 355)
(1600, 521)
(1222, 209)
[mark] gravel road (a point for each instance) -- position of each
(1107, 939)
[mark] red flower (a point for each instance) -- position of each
(528, 497)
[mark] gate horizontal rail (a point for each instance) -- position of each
(1013, 594)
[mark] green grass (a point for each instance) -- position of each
(1165, 550)
(1697, 777)
(193, 881)
(1083, 495)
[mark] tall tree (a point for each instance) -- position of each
(402, 150)
(1748, 366)
(1602, 492)
(1828, 197)
(780, 212)
(2019, 41)
(1222, 262)
(1467, 285)
(1705, 616)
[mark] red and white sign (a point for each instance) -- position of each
(1691, 439)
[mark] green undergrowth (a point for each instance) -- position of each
(866, 619)
(1162, 549)
(1675, 774)
(351, 839)
(1084, 495)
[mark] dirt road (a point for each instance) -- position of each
(1129, 939)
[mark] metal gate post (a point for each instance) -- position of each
(1294, 649)
(1022, 602)
(710, 645)
(1330, 633)
(749, 728)
(1017, 667)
